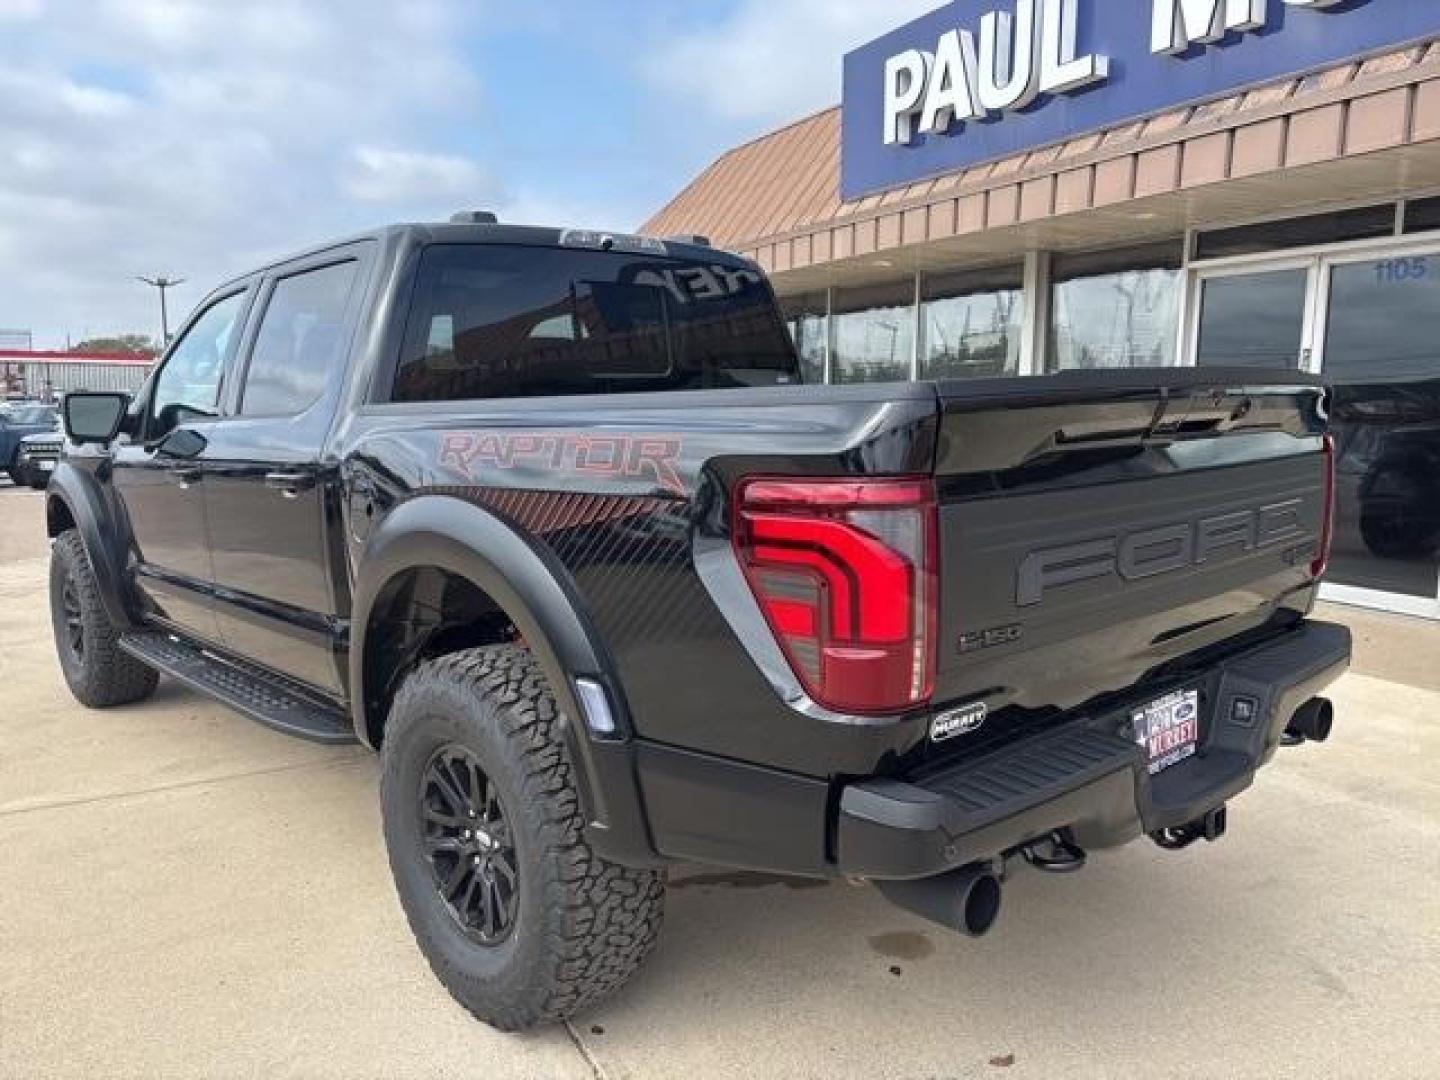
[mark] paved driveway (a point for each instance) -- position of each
(184, 893)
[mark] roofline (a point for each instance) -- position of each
(500, 232)
(725, 155)
(781, 129)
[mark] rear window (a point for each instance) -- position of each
(496, 321)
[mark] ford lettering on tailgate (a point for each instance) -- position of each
(1164, 549)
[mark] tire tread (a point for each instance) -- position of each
(109, 675)
(609, 915)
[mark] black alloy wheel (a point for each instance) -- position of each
(478, 732)
(74, 637)
(469, 845)
(98, 671)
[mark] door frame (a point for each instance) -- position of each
(1321, 261)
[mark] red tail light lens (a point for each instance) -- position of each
(845, 573)
(1327, 523)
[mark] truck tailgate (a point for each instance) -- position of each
(1094, 526)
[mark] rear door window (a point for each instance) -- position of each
(299, 345)
(497, 321)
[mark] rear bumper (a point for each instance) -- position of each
(1086, 775)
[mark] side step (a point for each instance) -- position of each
(268, 700)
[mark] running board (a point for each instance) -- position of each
(265, 699)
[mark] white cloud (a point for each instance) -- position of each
(197, 138)
(20, 10)
(768, 63)
(380, 175)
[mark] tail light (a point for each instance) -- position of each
(1327, 522)
(845, 571)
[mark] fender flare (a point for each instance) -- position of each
(537, 594)
(79, 491)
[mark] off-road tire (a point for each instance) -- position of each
(582, 925)
(100, 673)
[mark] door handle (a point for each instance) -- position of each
(290, 484)
(185, 475)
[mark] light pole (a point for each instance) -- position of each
(162, 283)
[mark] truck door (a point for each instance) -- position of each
(159, 475)
(271, 497)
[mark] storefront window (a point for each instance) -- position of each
(1253, 320)
(1116, 310)
(1366, 223)
(1382, 359)
(971, 322)
(1422, 215)
(874, 333)
(807, 320)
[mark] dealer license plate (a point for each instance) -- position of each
(1168, 728)
(46, 465)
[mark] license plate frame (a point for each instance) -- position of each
(1167, 728)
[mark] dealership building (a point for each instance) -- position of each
(1032, 186)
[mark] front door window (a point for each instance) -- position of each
(188, 386)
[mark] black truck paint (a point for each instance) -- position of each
(1102, 538)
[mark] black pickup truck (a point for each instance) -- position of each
(547, 518)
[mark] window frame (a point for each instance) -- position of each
(265, 292)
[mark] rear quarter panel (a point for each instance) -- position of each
(630, 495)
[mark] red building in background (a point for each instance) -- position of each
(42, 374)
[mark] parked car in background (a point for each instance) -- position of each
(35, 459)
(19, 421)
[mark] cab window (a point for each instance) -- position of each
(495, 321)
(299, 346)
(188, 386)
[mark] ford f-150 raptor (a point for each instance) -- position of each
(547, 518)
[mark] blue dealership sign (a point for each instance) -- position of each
(983, 79)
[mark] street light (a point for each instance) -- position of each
(162, 283)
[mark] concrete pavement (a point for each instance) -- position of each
(184, 893)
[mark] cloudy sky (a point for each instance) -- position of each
(194, 138)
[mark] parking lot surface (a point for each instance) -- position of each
(185, 893)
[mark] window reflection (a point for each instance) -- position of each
(1116, 310)
(1382, 358)
(1253, 320)
(808, 322)
(972, 323)
(874, 333)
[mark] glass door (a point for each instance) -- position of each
(1379, 349)
(1254, 315)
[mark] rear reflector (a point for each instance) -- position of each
(1327, 522)
(845, 572)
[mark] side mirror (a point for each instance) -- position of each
(94, 416)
